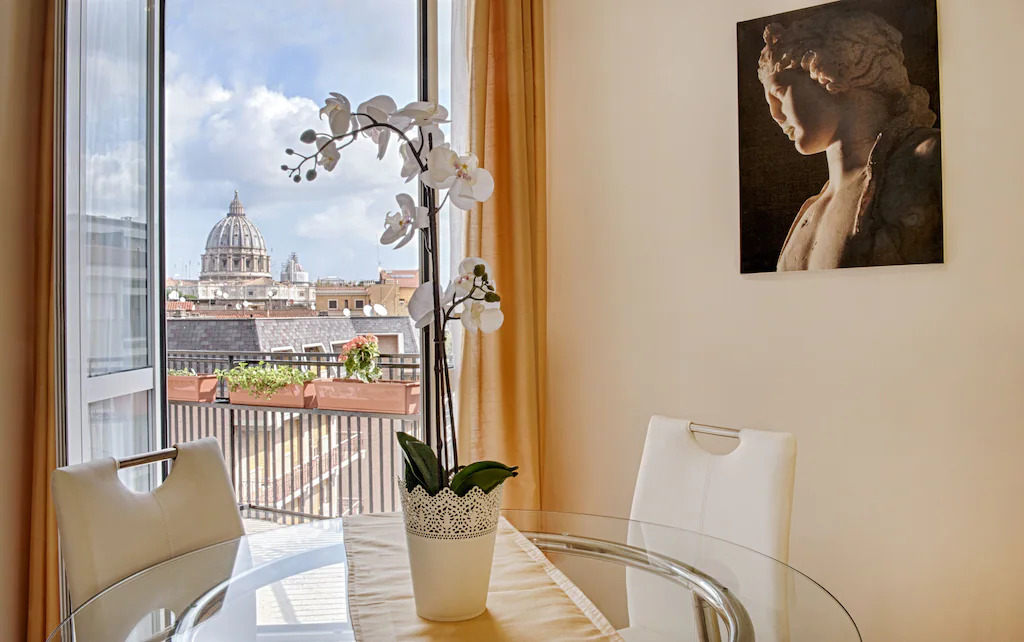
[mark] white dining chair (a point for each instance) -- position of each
(109, 532)
(744, 497)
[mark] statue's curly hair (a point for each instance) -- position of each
(846, 50)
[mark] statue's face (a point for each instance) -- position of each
(807, 113)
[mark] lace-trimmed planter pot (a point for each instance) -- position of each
(294, 395)
(188, 388)
(393, 397)
(451, 548)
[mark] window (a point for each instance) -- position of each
(390, 343)
(114, 218)
(113, 293)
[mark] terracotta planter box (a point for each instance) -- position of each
(188, 388)
(391, 397)
(291, 396)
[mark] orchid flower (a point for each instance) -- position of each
(339, 113)
(421, 304)
(410, 164)
(402, 225)
(378, 109)
(467, 182)
(485, 317)
(462, 285)
(329, 153)
(419, 114)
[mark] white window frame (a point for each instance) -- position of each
(81, 390)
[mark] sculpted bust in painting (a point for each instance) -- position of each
(836, 84)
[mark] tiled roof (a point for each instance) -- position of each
(263, 334)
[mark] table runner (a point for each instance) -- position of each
(529, 598)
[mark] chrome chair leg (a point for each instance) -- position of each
(706, 619)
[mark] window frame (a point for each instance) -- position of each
(80, 390)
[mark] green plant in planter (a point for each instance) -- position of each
(262, 380)
(183, 372)
(359, 357)
(422, 469)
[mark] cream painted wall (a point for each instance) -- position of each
(903, 385)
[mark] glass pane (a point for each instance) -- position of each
(119, 427)
(115, 167)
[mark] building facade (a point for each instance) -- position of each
(236, 271)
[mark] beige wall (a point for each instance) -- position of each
(20, 49)
(903, 385)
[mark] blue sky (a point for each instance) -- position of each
(243, 79)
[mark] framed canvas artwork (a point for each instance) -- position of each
(840, 162)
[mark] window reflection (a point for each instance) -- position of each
(114, 185)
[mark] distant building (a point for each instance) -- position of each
(293, 271)
(235, 271)
(392, 289)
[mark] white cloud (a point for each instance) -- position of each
(242, 85)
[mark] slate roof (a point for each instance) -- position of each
(264, 334)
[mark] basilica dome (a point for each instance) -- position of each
(235, 249)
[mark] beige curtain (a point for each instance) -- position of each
(502, 384)
(28, 95)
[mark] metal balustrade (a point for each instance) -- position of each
(294, 464)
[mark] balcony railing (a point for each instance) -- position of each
(294, 464)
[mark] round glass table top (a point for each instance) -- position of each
(290, 583)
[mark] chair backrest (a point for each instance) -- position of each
(108, 531)
(745, 496)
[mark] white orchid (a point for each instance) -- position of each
(377, 109)
(329, 154)
(421, 304)
(402, 225)
(467, 183)
(419, 114)
(408, 151)
(339, 113)
(462, 285)
(471, 296)
(485, 317)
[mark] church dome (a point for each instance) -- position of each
(235, 230)
(235, 248)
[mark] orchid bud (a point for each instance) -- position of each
(310, 174)
(308, 136)
(289, 151)
(297, 178)
(492, 297)
(479, 270)
(284, 167)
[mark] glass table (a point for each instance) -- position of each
(289, 583)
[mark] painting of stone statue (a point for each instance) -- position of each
(839, 137)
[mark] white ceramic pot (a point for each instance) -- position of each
(451, 548)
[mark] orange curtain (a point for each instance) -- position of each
(502, 383)
(43, 588)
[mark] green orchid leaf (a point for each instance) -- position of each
(461, 479)
(422, 460)
(411, 481)
(486, 480)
